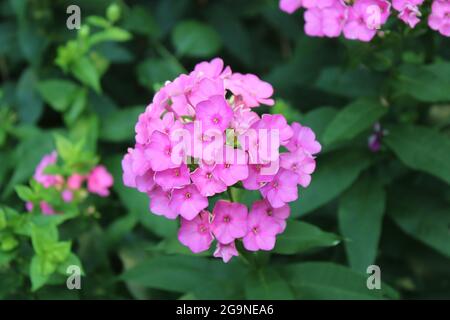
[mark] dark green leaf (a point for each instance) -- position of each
(361, 212)
(301, 236)
(422, 149)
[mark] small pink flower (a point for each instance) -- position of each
(282, 189)
(195, 234)
(46, 208)
(439, 19)
(173, 178)
(128, 176)
(67, 195)
(207, 181)
(99, 181)
(214, 113)
(212, 69)
(301, 163)
(159, 203)
(29, 206)
(290, 6)
(187, 202)
(251, 89)
(256, 179)
(159, 152)
(226, 251)
(261, 232)
(75, 181)
(229, 221)
(278, 215)
(364, 18)
(47, 180)
(303, 137)
(233, 166)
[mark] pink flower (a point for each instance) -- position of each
(251, 89)
(313, 22)
(47, 180)
(234, 167)
(67, 195)
(99, 181)
(261, 232)
(318, 3)
(439, 18)
(256, 179)
(226, 251)
(364, 18)
(173, 178)
(229, 221)
(207, 181)
(159, 203)
(195, 234)
(212, 69)
(75, 181)
(159, 152)
(282, 189)
(187, 202)
(46, 208)
(128, 176)
(301, 163)
(409, 11)
(214, 113)
(278, 215)
(304, 138)
(290, 6)
(199, 136)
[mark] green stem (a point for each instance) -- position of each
(230, 194)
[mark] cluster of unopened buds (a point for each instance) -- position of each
(361, 19)
(98, 181)
(200, 137)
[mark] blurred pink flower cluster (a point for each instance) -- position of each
(361, 19)
(98, 181)
(199, 137)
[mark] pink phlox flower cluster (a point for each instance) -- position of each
(439, 19)
(199, 137)
(361, 19)
(98, 181)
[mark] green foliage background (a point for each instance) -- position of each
(390, 208)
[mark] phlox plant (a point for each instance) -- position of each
(58, 192)
(362, 19)
(201, 138)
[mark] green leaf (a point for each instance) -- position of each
(65, 148)
(319, 119)
(58, 93)
(267, 284)
(422, 149)
(423, 216)
(301, 236)
(85, 71)
(29, 103)
(119, 125)
(111, 34)
(40, 271)
(427, 83)
(336, 171)
(195, 39)
(352, 120)
(25, 193)
(207, 279)
(324, 280)
(26, 157)
(352, 83)
(360, 213)
(154, 70)
(43, 237)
